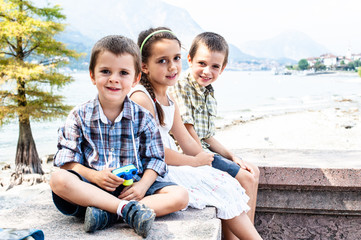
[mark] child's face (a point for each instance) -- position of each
(113, 75)
(164, 64)
(206, 66)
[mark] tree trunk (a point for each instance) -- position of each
(27, 159)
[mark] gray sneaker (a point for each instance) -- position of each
(139, 217)
(96, 219)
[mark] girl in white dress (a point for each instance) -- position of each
(207, 186)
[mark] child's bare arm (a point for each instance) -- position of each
(104, 179)
(175, 158)
(192, 132)
(217, 147)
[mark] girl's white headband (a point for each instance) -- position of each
(150, 35)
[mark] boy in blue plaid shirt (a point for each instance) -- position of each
(108, 132)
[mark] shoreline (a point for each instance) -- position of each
(327, 129)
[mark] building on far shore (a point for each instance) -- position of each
(356, 57)
(332, 61)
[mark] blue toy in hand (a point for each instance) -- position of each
(126, 172)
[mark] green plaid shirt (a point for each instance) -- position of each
(197, 105)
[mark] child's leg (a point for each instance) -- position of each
(247, 180)
(226, 232)
(69, 187)
(240, 227)
(167, 200)
(250, 183)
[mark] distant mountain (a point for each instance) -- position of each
(75, 40)
(236, 55)
(290, 44)
(95, 19)
(89, 20)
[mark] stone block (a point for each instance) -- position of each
(306, 194)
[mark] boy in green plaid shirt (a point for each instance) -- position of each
(194, 93)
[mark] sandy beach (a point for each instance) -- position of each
(332, 129)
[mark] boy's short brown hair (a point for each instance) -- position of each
(213, 41)
(117, 45)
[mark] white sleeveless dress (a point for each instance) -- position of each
(206, 185)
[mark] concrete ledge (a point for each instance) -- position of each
(306, 199)
(314, 191)
(303, 158)
(39, 212)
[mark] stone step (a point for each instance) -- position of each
(307, 194)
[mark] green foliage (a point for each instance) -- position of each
(29, 60)
(350, 66)
(319, 66)
(357, 63)
(359, 71)
(303, 64)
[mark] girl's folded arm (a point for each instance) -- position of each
(175, 158)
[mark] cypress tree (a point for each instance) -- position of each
(30, 58)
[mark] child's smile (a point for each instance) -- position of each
(113, 89)
(205, 79)
(173, 76)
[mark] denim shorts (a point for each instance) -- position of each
(225, 165)
(71, 209)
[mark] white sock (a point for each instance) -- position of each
(121, 206)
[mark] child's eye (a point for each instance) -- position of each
(202, 63)
(177, 58)
(104, 71)
(162, 61)
(216, 66)
(124, 73)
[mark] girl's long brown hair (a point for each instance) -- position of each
(146, 53)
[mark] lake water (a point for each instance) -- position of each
(240, 95)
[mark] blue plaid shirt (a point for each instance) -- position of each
(79, 139)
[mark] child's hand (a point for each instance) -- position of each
(107, 180)
(242, 164)
(204, 158)
(134, 192)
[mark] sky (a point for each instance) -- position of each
(336, 24)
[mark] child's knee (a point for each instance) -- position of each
(245, 177)
(181, 197)
(256, 173)
(59, 180)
